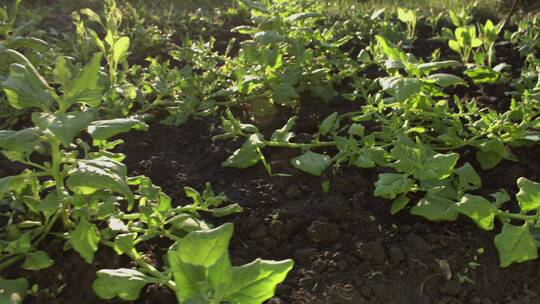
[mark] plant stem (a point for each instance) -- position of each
(515, 216)
(59, 179)
(149, 269)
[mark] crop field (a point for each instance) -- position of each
(269, 151)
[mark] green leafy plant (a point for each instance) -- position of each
(465, 41)
(204, 277)
(115, 48)
(409, 18)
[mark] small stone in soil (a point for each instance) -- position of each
(325, 233)
(450, 288)
(396, 254)
(277, 228)
(293, 192)
(304, 254)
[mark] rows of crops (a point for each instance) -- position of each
(428, 102)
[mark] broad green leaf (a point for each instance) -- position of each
(64, 126)
(24, 89)
(27, 42)
(85, 89)
(528, 195)
(205, 272)
(120, 49)
(479, 209)
(284, 93)
(123, 283)
(330, 123)
(99, 174)
(436, 208)
(401, 88)
(105, 129)
(389, 185)
(468, 179)
(284, 135)
(25, 140)
(13, 291)
(312, 163)
(488, 159)
(515, 245)
(439, 166)
(85, 239)
(256, 282)
(209, 245)
(447, 80)
(248, 155)
(11, 183)
(37, 260)
(357, 129)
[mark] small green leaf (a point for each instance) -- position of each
(85, 239)
(481, 75)
(13, 291)
(123, 283)
(268, 37)
(248, 155)
(389, 185)
(329, 124)
(37, 260)
(438, 166)
(479, 209)
(120, 49)
(528, 195)
(284, 134)
(399, 203)
(312, 163)
(124, 242)
(284, 93)
(227, 210)
(515, 245)
(437, 65)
